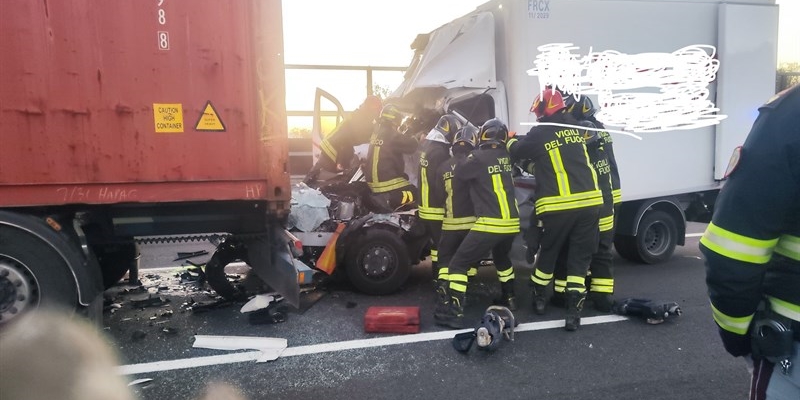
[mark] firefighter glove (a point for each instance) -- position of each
(736, 345)
(527, 166)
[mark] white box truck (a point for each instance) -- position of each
(478, 65)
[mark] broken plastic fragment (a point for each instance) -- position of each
(257, 303)
(270, 348)
(139, 381)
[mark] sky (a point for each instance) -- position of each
(379, 33)
(356, 32)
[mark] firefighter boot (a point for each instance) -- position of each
(539, 298)
(507, 297)
(454, 314)
(575, 301)
(558, 299)
(442, 297)
(602, 301)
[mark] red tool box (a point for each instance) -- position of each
(392, 319)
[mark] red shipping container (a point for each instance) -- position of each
(392, 320)
(142, 101)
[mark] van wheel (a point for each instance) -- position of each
(32, 274)
(655, 242)
(378, 262)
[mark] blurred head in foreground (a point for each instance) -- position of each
(51, 355)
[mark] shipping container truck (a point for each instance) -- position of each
(123, 122)
(478, 65)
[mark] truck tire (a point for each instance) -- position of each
(655, 241)
(378, 262)
(32, 274)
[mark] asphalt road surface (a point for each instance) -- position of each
(329, 356)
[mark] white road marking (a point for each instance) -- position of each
(694, 234)
(195, 362)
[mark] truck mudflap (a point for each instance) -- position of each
(271, 259)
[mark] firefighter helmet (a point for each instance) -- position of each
(391, 114)
(493, 132)
(465, 139)
(547, 103)
(583, 108)
(448, 125)
(569, 102)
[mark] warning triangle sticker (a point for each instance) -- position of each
(209, 120)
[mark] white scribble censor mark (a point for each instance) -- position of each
(647, 92)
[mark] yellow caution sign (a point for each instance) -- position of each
(209, 120)
(168, 117)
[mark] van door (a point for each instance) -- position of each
(328, 113)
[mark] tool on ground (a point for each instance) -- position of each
(497, 324)
(652, 311)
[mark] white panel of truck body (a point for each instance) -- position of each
(742, 51)
(663, 163)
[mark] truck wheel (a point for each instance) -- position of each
(378, 262)
(32, 274)
(655, 242)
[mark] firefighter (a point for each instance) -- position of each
(488, 172)
(607, 143)
(434, 151)
(385, 170)
(459, 214)
(567, 202)
(752, 250)
(601, 269)
(337, 151)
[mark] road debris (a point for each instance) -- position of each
(258, 302)
(149, 301)
(270, 348)
(140, 381)
(138, 335)
(275, 313)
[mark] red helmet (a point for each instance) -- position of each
(547, 103)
